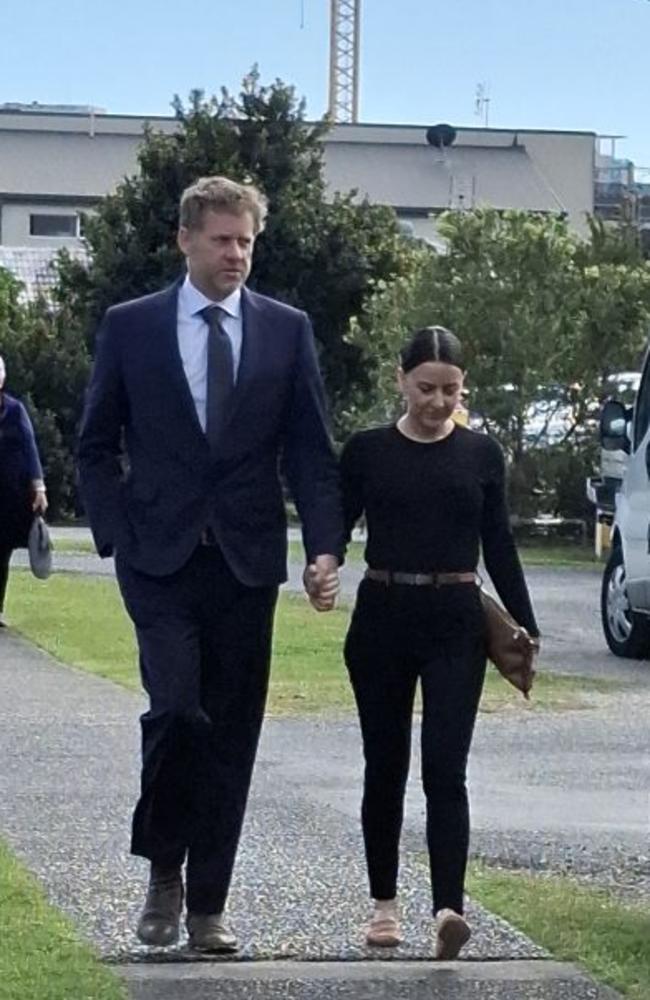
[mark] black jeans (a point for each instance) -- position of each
(5, 559)
(205, 648)
(399, 634)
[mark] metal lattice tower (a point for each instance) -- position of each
(344, 60)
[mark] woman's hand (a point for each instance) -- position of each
(39, 497)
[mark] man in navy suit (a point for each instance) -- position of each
(208, 388)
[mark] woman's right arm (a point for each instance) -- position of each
(352, 484)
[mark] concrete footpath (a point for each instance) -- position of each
(69, 746)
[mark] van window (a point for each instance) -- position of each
(642, 408)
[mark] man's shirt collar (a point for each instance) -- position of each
(194, 301)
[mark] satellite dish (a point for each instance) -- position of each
(441, 135)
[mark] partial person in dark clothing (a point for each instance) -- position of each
(22, 489)
(433, 494)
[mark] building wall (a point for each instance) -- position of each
(66, 162)
(15, 223)
(559, 174)
(567, 163)
(61, 163)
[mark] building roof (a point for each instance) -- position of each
(468, 134)
(420, 177)
(34, 268)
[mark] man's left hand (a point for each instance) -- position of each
(321, 580)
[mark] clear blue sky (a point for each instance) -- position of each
(565, 64)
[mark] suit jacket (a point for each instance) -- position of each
(153, 514)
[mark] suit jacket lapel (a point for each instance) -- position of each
(251, 354)
(172, 364)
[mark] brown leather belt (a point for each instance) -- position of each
(389, 576)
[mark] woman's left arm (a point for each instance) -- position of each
(32, 461)
(499, 549)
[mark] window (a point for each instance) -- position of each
(54, 225)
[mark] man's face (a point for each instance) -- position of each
(219, 253)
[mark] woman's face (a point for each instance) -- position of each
(432, 392)
(3, 373)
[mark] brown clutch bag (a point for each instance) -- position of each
(509, 646)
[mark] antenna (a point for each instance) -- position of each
(482, 103)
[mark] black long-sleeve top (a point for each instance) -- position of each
(431, 506)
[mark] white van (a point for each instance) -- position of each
(625, 594)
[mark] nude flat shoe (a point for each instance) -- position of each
(384, 930)
(452, 932)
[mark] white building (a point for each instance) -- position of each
(56, 163)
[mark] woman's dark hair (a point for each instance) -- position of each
(432, 343)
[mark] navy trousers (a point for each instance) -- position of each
(205, 648)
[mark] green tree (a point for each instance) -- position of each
(325, 255)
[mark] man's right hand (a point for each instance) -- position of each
(321, 581)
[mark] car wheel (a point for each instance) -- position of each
(627, 633)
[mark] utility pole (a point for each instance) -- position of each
(344, 60)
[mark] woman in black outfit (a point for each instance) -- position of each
(432, 493)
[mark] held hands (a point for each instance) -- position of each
(39, 497)
(321, 581)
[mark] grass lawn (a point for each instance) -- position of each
(80, 620)
(41, 957)
(72, 546)
(573, 922)
(581, 556)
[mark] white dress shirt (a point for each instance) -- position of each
(193, 338)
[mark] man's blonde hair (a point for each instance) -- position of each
(220, 194)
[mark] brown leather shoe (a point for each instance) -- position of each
(208, 932)
(160, 918)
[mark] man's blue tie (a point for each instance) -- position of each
(220, 376)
